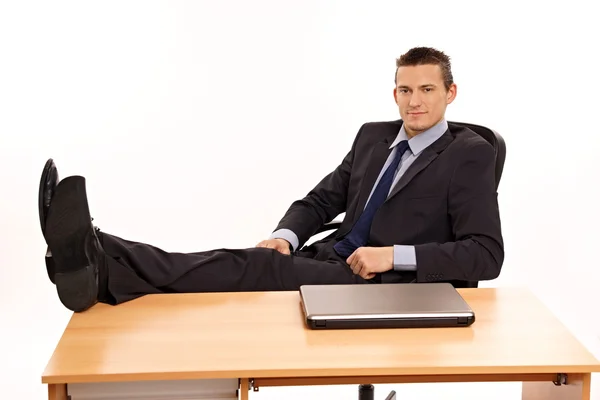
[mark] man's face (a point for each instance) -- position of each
(421, 97)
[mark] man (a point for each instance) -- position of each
(419, 196)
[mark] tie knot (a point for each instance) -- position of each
(401, 149)
(403, 146)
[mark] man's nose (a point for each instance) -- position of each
(415, 100)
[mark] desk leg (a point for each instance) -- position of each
(57, 391)
(577, 388)
(244, 389)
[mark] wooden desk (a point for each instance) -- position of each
(261, 339)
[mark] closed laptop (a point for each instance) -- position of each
(394, 305)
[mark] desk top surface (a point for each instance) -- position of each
(252, 335)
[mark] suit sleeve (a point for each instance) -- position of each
(478, 250)
(323, 203)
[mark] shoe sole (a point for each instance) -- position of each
(67, 226)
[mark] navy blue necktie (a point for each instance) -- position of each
(359, 235)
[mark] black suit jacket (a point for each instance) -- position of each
(445, 204)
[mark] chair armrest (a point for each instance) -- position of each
(329, 226)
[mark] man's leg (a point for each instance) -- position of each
(91, 266)
(135, 269)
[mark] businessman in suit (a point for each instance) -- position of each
(419, 196)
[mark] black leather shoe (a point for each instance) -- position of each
(76, 250)
(48, 182)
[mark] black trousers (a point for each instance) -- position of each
(136, 269)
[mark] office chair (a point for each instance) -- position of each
(366, 392)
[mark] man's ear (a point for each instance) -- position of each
(451, 94)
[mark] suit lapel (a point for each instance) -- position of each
(381, 151)
(426, 158)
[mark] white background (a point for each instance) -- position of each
(196, 124)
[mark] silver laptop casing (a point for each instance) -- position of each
(394, 305)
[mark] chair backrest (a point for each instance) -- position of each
(495, 139)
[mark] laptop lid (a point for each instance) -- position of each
(394, 305)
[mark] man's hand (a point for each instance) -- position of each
(281, 245)
(368, 261)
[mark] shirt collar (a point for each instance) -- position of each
(424, 139)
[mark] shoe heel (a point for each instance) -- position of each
(77, 290)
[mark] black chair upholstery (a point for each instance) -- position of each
(495, 140)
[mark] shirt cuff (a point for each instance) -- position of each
(287, 235)
(405, 258)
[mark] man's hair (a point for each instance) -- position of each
(427, 56)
